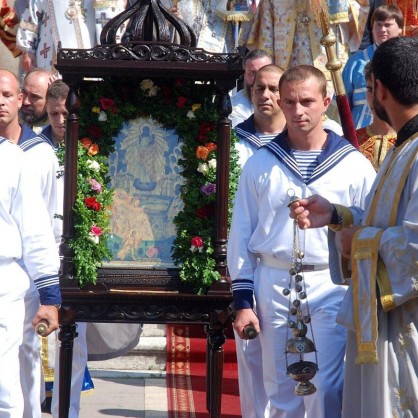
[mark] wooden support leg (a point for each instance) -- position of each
(216, 339)
(66, 336)
(208, 368)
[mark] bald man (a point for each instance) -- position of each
(29, 259)
(34, 87)
(44, 165)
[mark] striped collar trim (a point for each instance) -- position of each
(335, 150)
(29, 143)
(246, 132)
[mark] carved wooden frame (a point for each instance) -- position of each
(147, 295)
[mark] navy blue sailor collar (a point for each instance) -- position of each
(46, 134)
(336, 148)
(28, 138)
(246, 132)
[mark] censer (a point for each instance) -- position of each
(301, 371)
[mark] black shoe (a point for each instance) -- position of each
(46, 405)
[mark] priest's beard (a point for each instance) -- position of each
(31, 119)
(378, 108)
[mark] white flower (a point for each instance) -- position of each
(203, 168)
(146, 84)
(93, 165)
(94, 238)
(190, 114)
(153, 91)
(102, 116)
(193, 249)
(212, 163)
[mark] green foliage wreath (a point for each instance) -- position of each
(189, 110)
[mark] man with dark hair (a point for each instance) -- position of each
(303, 160)
(57, 113)
(380, 308)
(242, 107)
(409, 11)
(259, 129)
(375, 139)
(387, 23)
(53, 134)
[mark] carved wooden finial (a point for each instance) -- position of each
(148, 20)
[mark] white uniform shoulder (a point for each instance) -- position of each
(242, 108)
(332, 125)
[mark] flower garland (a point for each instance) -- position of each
(191, 112)
(91, 211)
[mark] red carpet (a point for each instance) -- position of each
(186, 374)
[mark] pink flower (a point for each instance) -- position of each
(95, 185)
(94, 234)
(197, 244)
(96, 230)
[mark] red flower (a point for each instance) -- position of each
(211, 146)
(206, 211)
(86, 142)
(95, 131)
(106, 103)
(181, 101)
(92, 203)
(197, 242)
(206, 127)
(203, 130)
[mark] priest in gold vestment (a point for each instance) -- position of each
(291, 33)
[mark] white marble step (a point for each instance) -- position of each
(149, 354)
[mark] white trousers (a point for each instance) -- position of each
(13, 286)
(77, 373)
(324, 299)
(252, 395)
(30, 359)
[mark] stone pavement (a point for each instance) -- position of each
(133, 385)
(124, 394)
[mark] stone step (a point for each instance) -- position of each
(149, 354)
(154, 330)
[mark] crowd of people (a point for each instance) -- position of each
(355, 210)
